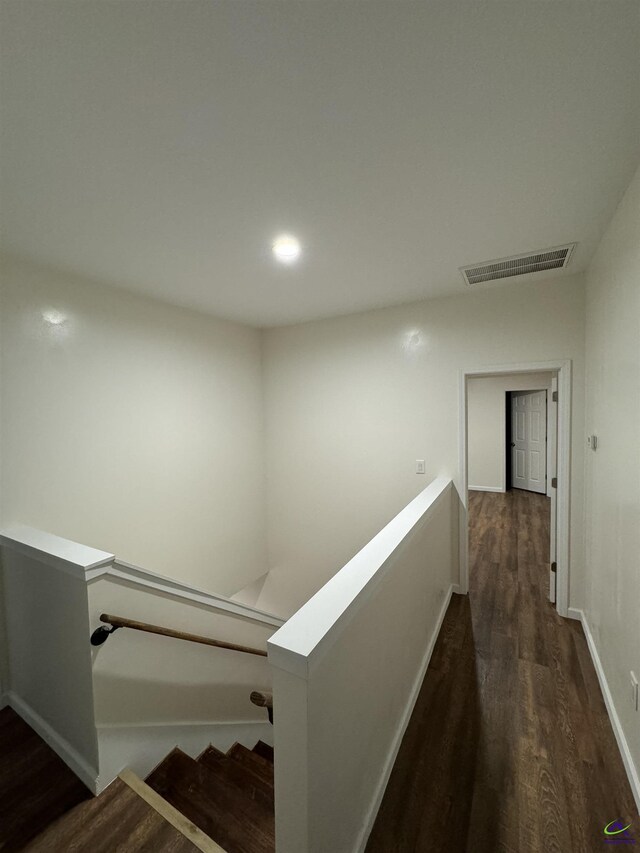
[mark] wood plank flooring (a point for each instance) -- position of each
(36, 787)
(509, 748)
(117, 820)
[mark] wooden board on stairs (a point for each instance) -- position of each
(116, 820)
(222, 804)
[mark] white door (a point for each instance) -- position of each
(529, 440)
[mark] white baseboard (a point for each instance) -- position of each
(574, 613)
(141, 747)
(623, 746)
(485, 489)
(58, 744)
(402, 727)
(456, 589)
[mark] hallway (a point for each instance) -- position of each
(509, 747)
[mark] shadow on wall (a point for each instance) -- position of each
(128, 701)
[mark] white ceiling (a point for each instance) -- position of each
(161, 146)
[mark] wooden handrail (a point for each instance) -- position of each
(262, 698)
(102, 633)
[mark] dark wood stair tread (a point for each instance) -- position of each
(210, 751)
(116, 820)
(218, 806)
(263, 749)
(253, 784)
(253, 761)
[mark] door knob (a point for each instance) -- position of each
(513, 444)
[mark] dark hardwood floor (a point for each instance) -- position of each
(118, 821)
(36, 787)
(509, 747)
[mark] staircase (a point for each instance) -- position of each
(228, 796)
(217, 803)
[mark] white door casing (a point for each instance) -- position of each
(563, 368)
(529, 440)
(552, 492)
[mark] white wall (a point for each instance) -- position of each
(486, 425)
(347, 671)
(132, 426)
(143, 679)
(612, 481)
(352, 402)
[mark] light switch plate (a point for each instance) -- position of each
(419, 466)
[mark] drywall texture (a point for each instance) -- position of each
(352, 402)
(486, 398)
(132, 426)
(612, 472)
(341, 725)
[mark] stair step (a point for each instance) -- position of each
(116, 820)
(222, 810)
(263, 749)
(209, 751)
(252, 761)
(246, 778)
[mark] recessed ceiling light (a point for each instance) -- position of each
(286, 248)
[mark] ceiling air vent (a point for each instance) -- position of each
(550, 259)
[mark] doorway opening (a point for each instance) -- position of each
(514, 440)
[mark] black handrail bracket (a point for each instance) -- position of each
(101, 634)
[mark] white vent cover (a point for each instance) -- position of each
(549, 259)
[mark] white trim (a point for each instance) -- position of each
(455, 588)
(563, 492)
(402, 727)
(88, 564)
(176, 724)
(79, 561)
(623, 746)
(552, 429)
(574, 613)
(61, 746)
(563, 368)
(552, 494)
(178, 589)
(486, 489)
(303, 640)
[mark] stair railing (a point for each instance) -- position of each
(103, 632)
(263, 699)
